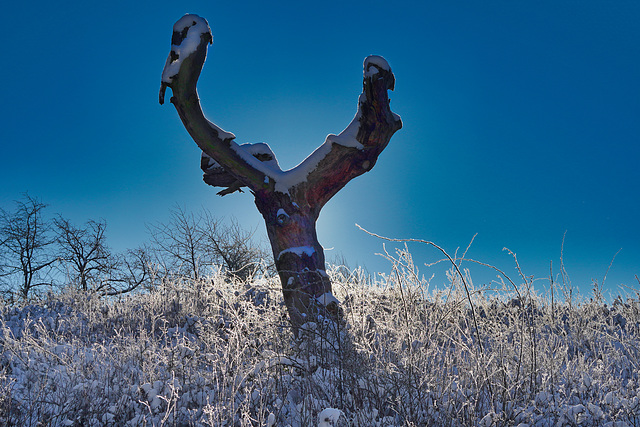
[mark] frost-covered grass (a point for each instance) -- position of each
(222, 353)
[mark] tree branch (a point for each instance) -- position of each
(356, 149)
(321, 175)
(191, 36)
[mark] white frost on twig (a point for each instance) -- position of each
(196, 27)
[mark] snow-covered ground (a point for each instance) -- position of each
(221, 353)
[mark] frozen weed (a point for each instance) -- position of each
(220, 352)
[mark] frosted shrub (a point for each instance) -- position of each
(220, 352)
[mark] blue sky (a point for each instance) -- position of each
(521, 121)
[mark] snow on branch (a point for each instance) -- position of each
(356, 149)
(323, 173)
(187, 34)
(191, 36)
(360, 142)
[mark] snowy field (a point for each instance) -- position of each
(221, 353)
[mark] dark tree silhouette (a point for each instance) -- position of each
(133, 270)
(83, 250)
(289, 201)
(191, 245)
(25, 242)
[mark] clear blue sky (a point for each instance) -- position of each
(521, 121)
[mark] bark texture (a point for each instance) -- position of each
(289, 201)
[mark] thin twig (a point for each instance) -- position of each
(609, 268)
(464, 282)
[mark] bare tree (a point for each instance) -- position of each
(133, 270)
(180, 244)
(234, 247)
(192, 245)
(83, 250)
(289, 201)
(26, 242)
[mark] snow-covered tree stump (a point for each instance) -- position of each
(290, 201)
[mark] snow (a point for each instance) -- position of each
(327, 299)
(222, 134)
(327, 417)
(298, 250)
(219, 351)
(284, 180)
(292, 177)
(347, 138)
(373, 63)
(281, 216)
(250, 148)
(270, 168)
(264, 149)
(196, 26)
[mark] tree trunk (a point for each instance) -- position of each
(289, 201)
(299, 257)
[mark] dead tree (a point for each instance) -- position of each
(289, 201)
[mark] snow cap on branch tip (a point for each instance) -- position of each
(187, 34)
(374, 63)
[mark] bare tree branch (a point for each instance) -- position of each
(136, 271)
(356, 149)
(191, 35)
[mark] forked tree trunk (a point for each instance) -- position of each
(289, 201)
